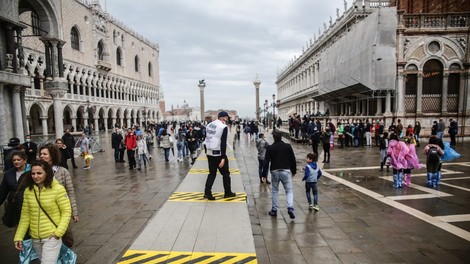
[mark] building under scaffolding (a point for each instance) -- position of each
(384, 60)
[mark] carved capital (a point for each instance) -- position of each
(18, 89)
(57, 93)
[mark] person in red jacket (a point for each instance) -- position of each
(131, 144)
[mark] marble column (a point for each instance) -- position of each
(97, 129)
(257, 83)
(113, 121)
(419, 95)
(445, 86)
(400, 96)
(3, 129)
(121, 122)
(17, 113)
(57, 96)
(202, 85)
(74, 123)
(388, 103)
(379, 106)
(45, 131)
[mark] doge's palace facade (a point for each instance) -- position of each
(69, 64)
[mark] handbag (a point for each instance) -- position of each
(67, 238)
(12, 214)
(27, 255)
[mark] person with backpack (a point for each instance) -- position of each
(325, 139)
(311, 177)
(383, 146)
(433, 152)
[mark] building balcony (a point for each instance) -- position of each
(437, 21)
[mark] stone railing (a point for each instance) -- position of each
(437, 21)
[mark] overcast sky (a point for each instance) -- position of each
(225, 42)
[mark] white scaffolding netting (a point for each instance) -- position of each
(366, 55)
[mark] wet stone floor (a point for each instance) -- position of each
(362, 218)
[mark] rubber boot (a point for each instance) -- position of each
(400, 179)
(407, 180)
(429, 179)
(395, 180)
(435, 179)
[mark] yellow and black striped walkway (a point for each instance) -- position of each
(191, 229)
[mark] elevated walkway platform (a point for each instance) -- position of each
(191, 229)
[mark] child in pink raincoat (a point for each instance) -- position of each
(397, 150)
(411, 159)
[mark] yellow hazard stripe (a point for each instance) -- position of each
(199, 197)
(144, 256)
(206, 171)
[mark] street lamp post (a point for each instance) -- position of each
(274, 116)
(265, 111)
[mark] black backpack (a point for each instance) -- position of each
(433, 155)
(382, 144)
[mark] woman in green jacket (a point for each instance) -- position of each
(46, 192)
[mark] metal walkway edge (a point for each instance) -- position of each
(189, 229)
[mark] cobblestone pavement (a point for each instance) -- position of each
(362, 219)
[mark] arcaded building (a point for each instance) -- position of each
(69, 64)
(384, 60)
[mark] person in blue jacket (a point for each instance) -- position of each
(312, 174)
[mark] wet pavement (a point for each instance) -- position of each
(362, 218)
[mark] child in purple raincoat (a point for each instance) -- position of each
(397, 150)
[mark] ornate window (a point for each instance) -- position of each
(74, 38)
(100, 50)
(35, 23)
(136, 63)
(432, 86)
(119, 56)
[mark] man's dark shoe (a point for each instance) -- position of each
(268, 182)
(272, 213)
(209, 197)
(75, 167)
(229, 195)
(290, 211)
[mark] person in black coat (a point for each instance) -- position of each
(116, 140)
(9, 184)
(30, 148)
(64, 153)
(69, 142)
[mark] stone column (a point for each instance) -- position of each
(44, 125)
(364, 108)
(58, 111)
(128, 122)
(257, 83)
(379, 106)
(97, 129)
(74, 123)
(121, 121)
(85, 120)
(113, 121)
(202, 85)
(400, 96)
(3, 128)
(388, 103)
(445, 87)
(17, 113)
(461, 93)
(419, 95)
(358, 109)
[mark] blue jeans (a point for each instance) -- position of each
(260, 167)
(311, 186)
(167, 153)
(116, 154)
(285, 177)
(440, 134)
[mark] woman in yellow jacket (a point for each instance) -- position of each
(44, 189)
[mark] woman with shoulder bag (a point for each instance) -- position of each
(50, 153)
(12, 188)
(45, 212)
